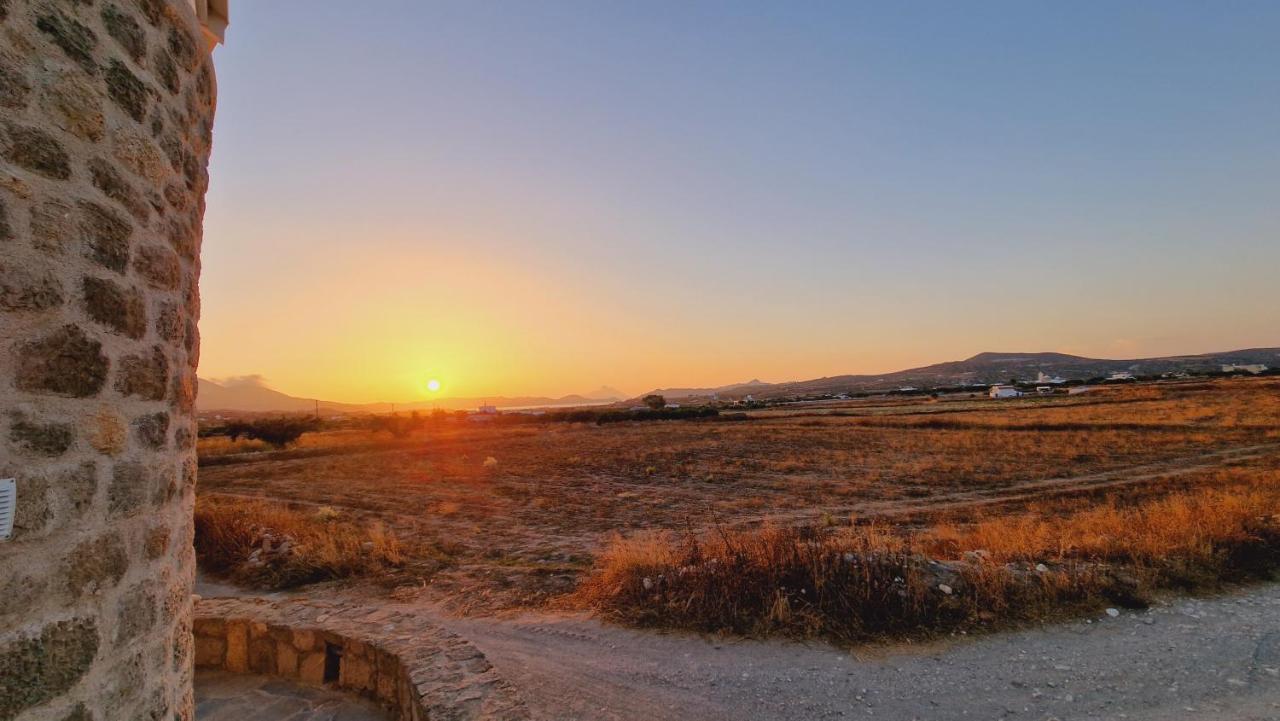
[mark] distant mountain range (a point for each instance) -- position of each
(984, 368)
(250, 394)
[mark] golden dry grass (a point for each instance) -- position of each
(323, 544)
(871, 581)
(525, 527)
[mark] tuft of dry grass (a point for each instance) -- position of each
(866, 582)
(268, 545)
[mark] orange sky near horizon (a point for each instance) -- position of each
(544, 198)
(345, 327)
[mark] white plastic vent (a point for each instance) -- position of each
(8, 506)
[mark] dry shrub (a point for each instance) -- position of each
(268, 545)
(869, 581)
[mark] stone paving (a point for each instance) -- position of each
(222, 696)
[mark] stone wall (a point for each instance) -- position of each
(106, 109)
(310, 655)
(395, 655)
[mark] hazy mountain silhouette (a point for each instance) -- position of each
(990, 367)
(251, 394)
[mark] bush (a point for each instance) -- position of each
(654, 401)
(279, 432)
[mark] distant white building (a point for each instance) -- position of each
(1044, 390)
(1254, 368)
(1004, 392)
(1120, 376)
(1054, 380)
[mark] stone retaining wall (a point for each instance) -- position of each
(417, 670)
(312, 656)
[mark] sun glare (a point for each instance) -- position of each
(433, 385)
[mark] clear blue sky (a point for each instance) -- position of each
(543, 197)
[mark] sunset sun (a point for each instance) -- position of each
(433, 385)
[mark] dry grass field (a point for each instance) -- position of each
(488, 517)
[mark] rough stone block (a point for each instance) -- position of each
(121, 309)
(140, 155)
(356, 673)
(107, 236)
(144, 375)
(165, 70)
(45, 439)
(36, 669)
(107, 179)
(66, 362)
(96, 564)
(73, 37)
(262, 655)
(387, 690)
(127, 90)
(183, 47)
(106, 432)
(34, 514)
(51, 227)
(286, 660)
(306, 640)
(237, 647)
(71, 101)
(209, 627)
(311, 670)
(156, 543)
(152, 431)
(124, 29)
(25, 289)
(159, 266)
(37, 151)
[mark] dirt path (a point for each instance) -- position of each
(1205, 659)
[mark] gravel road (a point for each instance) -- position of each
(1214, 658)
